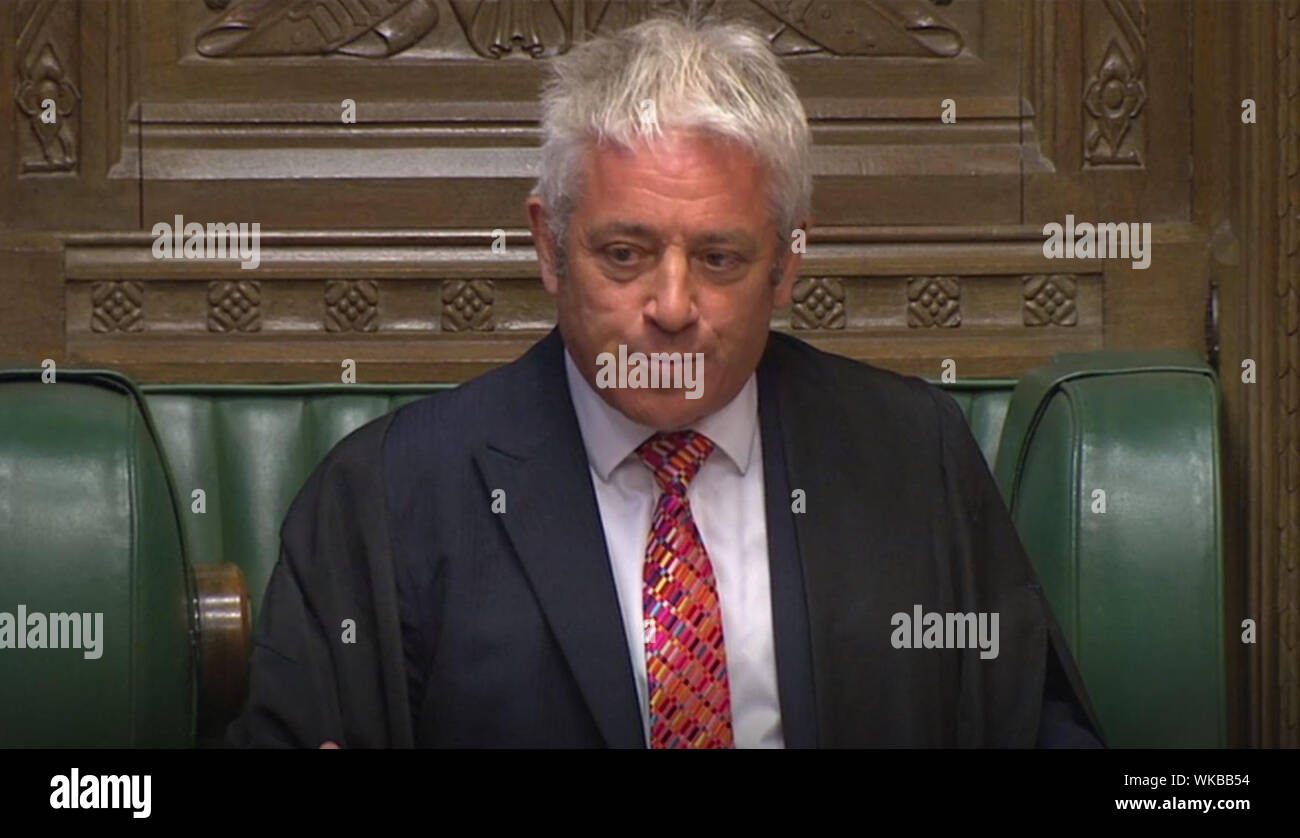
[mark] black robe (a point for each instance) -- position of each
(477, 628)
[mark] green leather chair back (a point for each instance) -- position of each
(87, 526)
(984, 403)
(249, 449)
(1137, 584)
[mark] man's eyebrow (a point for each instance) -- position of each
(624, 228)
(635, 230)
(736, 237)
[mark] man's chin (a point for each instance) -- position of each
(663, 410)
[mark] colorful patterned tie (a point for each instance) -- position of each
(686, 662)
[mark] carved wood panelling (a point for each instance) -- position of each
(497, 29)
(117, 307)
(234, 306)
(67, 161)
(46, 93)
(459, 155)
(934, 301)
(1050, 300)
(351, 306)
(467, 305)
(1281, 476)
(1116, 90)
(381, 289)
(960, 305)
(369, 28)
(818, 303)
(453, 112)
(1108, 132)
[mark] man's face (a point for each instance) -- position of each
(669, 250)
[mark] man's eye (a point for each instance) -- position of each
(621, 254)
(721, 261)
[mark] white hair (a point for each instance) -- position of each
(706, 75)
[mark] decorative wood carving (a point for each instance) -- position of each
(818, 303)
(117, 307)
(234, 306)
(47, 58)
(868, 27)
(201, 313)
(933, 301)
(369, 28)
(467, 305)
(498, 27)
(800, 27)
(1050, 300)
(538, 28)
(1117, 89)
(1282, 462)
(351, 306)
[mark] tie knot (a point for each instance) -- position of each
(675, 457)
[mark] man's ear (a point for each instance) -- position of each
(790, 260)
(542, 241)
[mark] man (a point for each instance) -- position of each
(707, 547)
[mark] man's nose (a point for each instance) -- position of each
(670, 305)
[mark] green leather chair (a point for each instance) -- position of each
(87, 526)
(1142, 426)
(249, 449)
(1110, 467)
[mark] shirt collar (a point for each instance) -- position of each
(610, 437)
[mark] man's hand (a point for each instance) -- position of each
(333, 746)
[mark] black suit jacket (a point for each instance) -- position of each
(475, 627)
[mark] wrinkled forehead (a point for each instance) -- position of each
(695, 172)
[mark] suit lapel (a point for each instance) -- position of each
(848, 541)
(789, 603)
(553, 522)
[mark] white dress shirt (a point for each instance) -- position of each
(726, 499)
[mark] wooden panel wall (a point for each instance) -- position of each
(377, 236)
(927, 240)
